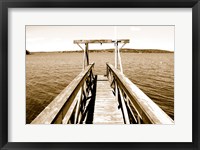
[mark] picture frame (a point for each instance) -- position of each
(4, 88)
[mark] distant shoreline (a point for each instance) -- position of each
(112, 50)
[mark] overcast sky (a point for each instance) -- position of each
(60, 38)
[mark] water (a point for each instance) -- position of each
(47, 74)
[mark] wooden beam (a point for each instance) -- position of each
(101, 41)
(123, 40)
(92, 41)
(80, 46)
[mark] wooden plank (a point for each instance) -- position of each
(102, 78)
(101, 41)
(106, 107)
(149, 111)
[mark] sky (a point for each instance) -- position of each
(60, 38)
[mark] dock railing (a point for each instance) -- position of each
(136, 106)
(70, 106)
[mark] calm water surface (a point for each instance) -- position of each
(47, 74)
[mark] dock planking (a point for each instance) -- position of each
(106, 106)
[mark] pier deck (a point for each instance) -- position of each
(106, 106)
(89, 98)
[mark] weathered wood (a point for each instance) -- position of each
(78, 106)
(106, 106)
(102, 78)
(86, 54)
(120, 60)
(122, 40)
(67, 116)
(116, 55)
(124, 112)
(57, 109)
(92, 41)
(148, 110)
(101, 41)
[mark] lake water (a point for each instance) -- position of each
(47, 74)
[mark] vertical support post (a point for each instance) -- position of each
(116, 91)
(84, 55)
(120, 60)
(87, 56)
(116, 54)
(116, 64)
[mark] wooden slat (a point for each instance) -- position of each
(71, 108)
(149, 111)
(106, 107)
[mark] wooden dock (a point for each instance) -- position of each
(106, 109)
(90, 98)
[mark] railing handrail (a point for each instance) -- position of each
(149, 111)
(54, 109)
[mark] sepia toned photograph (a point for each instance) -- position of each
(100, 74)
